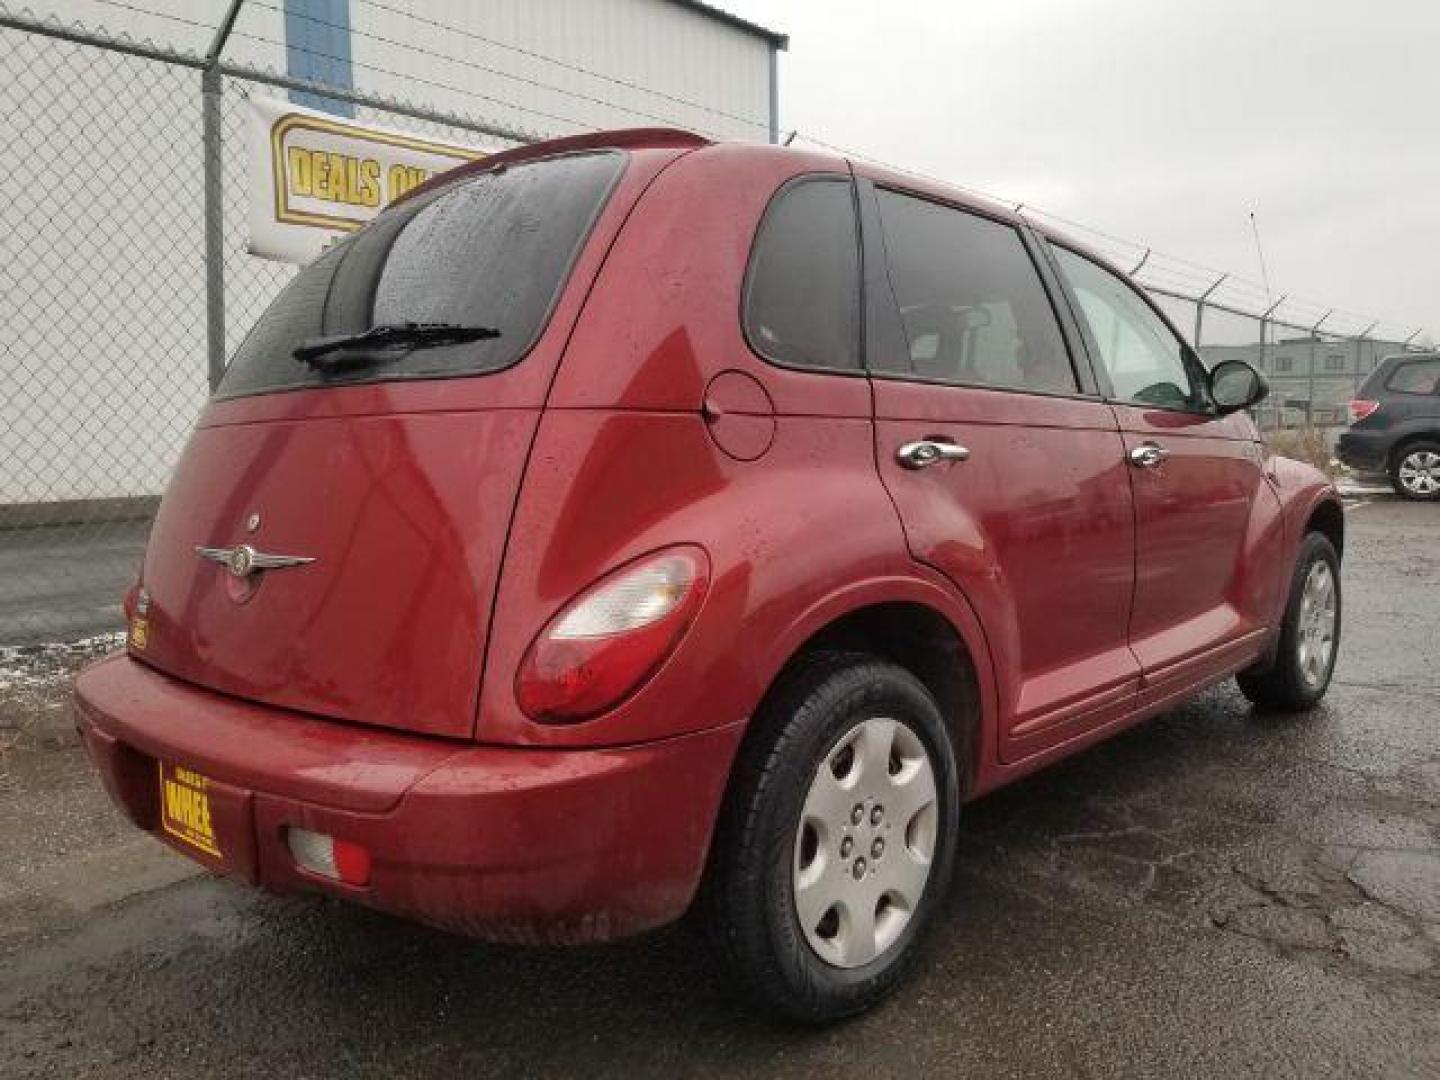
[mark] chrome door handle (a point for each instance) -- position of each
(1148, 455)
(925, 452)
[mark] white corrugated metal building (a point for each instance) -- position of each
(103, 285)
(545, 66)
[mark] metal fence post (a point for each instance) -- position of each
(1310, 389)
(1360, 341)
(1264, 325)
(774, 94)
(211, 93)
(1200, 308)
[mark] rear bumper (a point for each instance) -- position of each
(1365, 451)
(510, 844)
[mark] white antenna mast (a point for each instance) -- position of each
(1264, 273)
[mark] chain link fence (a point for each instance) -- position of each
(125, 280)
(1315, 357)
(107, 291)
(100, 285)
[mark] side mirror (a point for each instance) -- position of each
(1235, 385)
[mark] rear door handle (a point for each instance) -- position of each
(926, 452)
(1148, 455)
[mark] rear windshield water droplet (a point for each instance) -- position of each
(492, 250)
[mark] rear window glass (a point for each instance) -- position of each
(490, 250)
(1415, 377)
(802, 302)
(971, 302)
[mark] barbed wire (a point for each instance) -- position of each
(1175, 275)
(249, 35)
(434, 54)
(474, 66)
(408, 77)
(1192, 277)
(151, 13)
(453, 30)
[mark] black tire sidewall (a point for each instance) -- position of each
(799, 983)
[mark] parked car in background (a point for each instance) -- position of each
(628, 520)
(1395, 425)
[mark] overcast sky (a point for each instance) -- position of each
(1162, 121)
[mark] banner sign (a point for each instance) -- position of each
(314, 176)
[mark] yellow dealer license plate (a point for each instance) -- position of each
(185, 808)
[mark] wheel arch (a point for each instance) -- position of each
(926, 632)
(1404, 443)
(1327, 517)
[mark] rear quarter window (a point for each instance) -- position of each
(1415, 377)
(802, 290)
(493, 249)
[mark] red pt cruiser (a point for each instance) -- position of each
(627, 521)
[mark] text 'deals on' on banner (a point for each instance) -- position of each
(314, 176)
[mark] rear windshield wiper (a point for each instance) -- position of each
(416, 335)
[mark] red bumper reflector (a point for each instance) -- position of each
(339, 860)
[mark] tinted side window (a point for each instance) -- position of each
(1144, 359)
(971, 302)
(802, 297)
(1416, 377)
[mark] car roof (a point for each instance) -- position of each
(964, 198)
(655, 138)
(678, 138)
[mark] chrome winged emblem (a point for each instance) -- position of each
(243, 560)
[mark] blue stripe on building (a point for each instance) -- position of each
(317, 47)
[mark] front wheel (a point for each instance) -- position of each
(1298, 676)
(837, 841)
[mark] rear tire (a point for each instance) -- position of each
(1298, 676)
(1415, 472)
(827, 814)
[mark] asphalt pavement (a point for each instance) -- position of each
(1214, 894)
(63, 582)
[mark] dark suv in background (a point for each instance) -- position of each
(1395, 425)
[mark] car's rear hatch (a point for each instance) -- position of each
(390, 470)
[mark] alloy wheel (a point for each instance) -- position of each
(1420, 473)
(1316, 625)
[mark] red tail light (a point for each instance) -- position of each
(612, 637)
(1360, 409)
